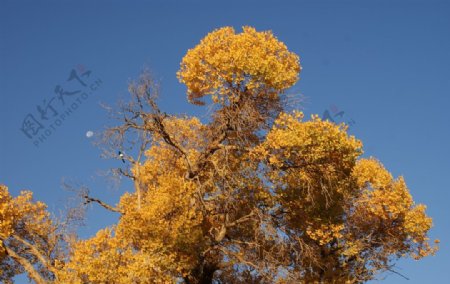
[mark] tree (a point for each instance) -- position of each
(254, 195)
(28, 238)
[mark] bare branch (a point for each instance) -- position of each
(398, 273)
(89, 199)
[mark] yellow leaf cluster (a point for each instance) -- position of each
(21, 214)
(324, 234)
(150, 244)
(385, 207)
(27, 235)
(225, 62)
(337, 198)
(309, 162)
(156, 238)
(108, 259)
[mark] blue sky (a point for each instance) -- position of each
(384, 63)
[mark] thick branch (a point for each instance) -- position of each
(241, 220)
(213, 147)
(29, 268)
(161, 129)
(239, 258)
(36, 252)
(89, 199)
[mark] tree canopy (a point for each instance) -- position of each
(256, 194)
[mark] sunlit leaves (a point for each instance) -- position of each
(225, 62)
(256, 195)
(27, 236)
(348, 206)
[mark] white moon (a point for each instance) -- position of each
(89, 134)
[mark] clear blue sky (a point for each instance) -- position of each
(384, 63)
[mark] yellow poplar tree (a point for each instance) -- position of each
(29, 241)
(255, 195)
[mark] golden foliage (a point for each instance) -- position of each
(27, 236)
(256, 195)
(20, 214)
(351, 208)
(251, 60)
